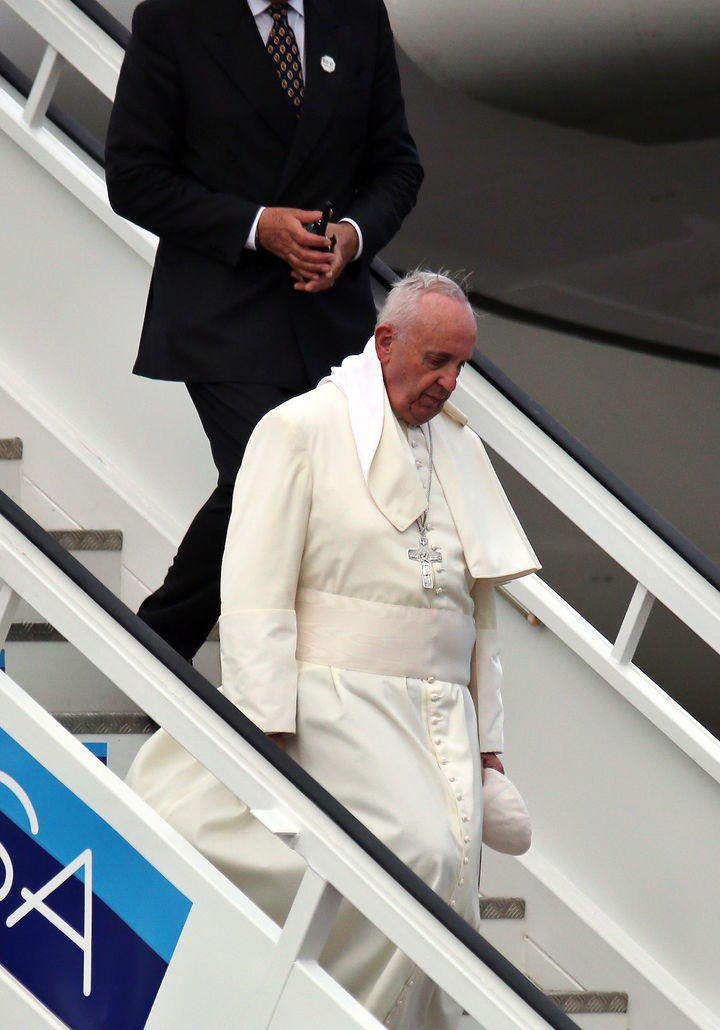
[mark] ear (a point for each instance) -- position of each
(383, 342)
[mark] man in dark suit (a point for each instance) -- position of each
(234, 121)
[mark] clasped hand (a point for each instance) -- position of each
(281, 230)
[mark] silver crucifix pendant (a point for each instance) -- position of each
(425, 556)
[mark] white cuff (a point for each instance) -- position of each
(359, 235)
(250, 241)
(259, 670)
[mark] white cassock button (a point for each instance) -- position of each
(439, 591)
(434, 697)
(429, 528)
(418, 464)
(466, 861)
(458, 797)
(466, 839)
(451, 778)
(461, 881)
(453, 902)
(413, 443)
(431, 679)
(411, 983)
(464, 818)
(443, 761)
(438, 740)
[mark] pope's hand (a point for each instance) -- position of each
(491, 761)
(281, 230)
(279, 739)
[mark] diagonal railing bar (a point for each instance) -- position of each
(55, 114)
(310, 788)
(97, 13)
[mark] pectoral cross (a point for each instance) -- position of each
(425, 556)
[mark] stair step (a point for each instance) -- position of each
(121, 732)
(586, 1002)
(56, 674)
(83, 724)
(88, 539)
(11, 450)
(98, 550)
(502, 908)
(33, 633)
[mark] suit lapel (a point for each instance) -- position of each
(229, 33)
(324, 37)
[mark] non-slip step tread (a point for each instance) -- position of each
(109, 723)
(33, 633)
(88, 539)
(502, 908)
(11, 448)
(581, 1002)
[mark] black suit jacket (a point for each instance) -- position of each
(201, 134)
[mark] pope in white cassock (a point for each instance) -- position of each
(358, 629)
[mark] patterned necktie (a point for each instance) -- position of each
(282, 47)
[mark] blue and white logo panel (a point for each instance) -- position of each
(87, 924)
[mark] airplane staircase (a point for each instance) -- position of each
(614, 905)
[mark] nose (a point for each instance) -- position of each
(448, 380)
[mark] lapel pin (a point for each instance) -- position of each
(327, 63)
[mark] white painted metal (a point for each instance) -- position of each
(43, 87)
(591, 507)
(633, 625)
(624, 790)
(323, 846)
(76, 37)
(8, 606)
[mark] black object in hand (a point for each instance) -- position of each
(319, 226)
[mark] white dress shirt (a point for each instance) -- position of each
(260, 10)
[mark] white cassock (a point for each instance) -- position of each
(328, 633)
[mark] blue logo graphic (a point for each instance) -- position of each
(87, 924)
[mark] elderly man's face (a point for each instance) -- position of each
(421, 368)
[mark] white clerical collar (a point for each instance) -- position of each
(260, 6)
(379, 439)
(493, 542)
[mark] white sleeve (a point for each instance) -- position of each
(486, 671)
(260, 571)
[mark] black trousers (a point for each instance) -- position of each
(187, 605)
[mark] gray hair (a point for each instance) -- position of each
(402, 301)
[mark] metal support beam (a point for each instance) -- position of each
(634, 623)
(43, 87)
(302, 940)
(9, 601)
